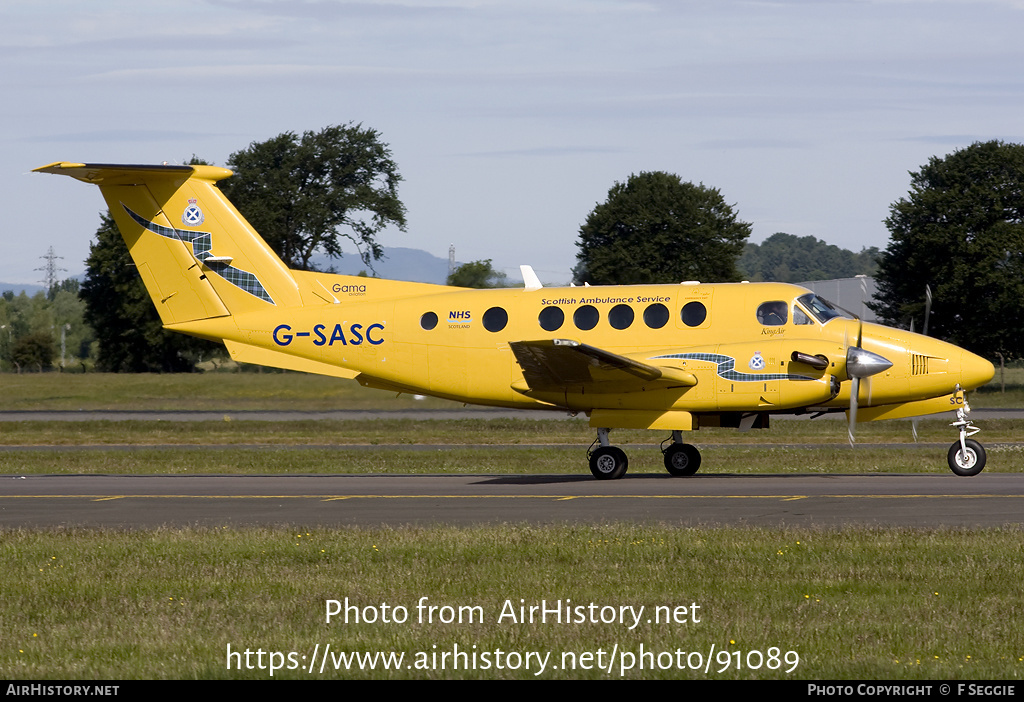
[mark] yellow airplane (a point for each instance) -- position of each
(664, 357)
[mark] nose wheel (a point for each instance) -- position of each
(966, 459)
(966, 456)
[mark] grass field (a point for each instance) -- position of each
(474, 446)
(197, 391)
(778, 603)
(774, 603)
(271, 390)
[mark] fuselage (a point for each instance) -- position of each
(737, 339)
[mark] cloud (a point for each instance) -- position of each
(118, 136)
(754, 143)
(330, 11)
(960, 139)
(547, 151)
(190, 74)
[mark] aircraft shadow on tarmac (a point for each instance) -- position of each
(568, 478)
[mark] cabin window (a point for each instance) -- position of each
(586, 317)
(694, 313)
(621, 316)
(495, 319)
(773, 314)
(551, 318)
(428, 321)
(656, 315)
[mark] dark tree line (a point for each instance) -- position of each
(786, 258)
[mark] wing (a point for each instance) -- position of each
(558, 365)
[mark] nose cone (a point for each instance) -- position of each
(975, 371)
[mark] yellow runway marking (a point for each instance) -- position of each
(329, 498)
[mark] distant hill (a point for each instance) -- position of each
(18, 288)
(399, 263)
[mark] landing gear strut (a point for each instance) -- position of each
(966, 456)
(681, 459)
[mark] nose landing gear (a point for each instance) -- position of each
(966, 456)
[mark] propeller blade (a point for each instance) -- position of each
(854, 391)
(860, 363)
(924, 331)
(927, 308)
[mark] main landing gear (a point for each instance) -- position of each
(681, 459)
(966, 456)
(609, 462)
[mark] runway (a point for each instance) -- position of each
(987, 500)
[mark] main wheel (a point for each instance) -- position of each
(970, 462)
(682, 459)
(608, 463)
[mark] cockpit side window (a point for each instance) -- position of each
(822, 309)
(773, 314)
(799, 316)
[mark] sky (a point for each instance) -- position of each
(510, 120)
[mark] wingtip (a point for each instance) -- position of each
(57, 166)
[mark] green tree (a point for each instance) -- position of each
(33, 352)
(57, 316)
(477, 274)
(130, 336)
(304, 194)
(961, 231)
(654, 228)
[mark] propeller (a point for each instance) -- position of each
(924, 331)
(927, 308)
(861, 363)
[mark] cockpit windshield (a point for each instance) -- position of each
(822, 309)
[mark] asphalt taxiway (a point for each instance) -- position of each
(125, 501)
(834, 500)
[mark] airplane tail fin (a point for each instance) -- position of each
(198, 257)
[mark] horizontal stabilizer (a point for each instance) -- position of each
(257, 355)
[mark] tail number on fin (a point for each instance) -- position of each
(283, 335)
